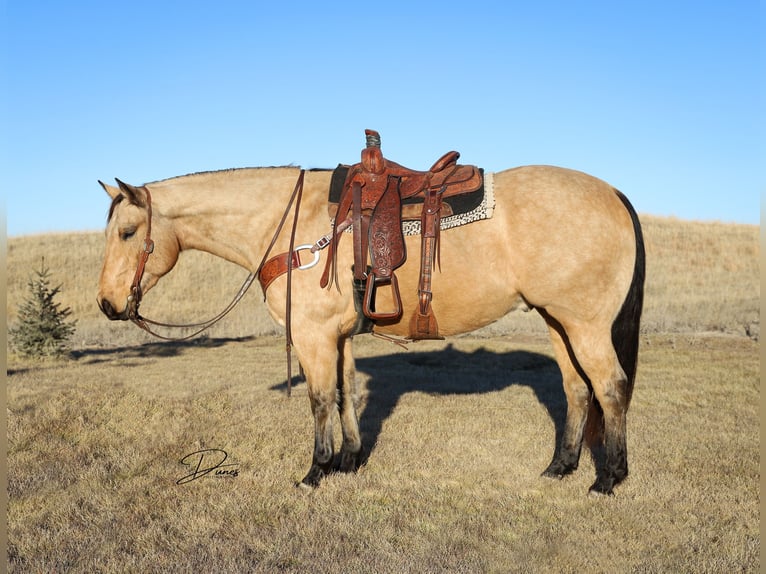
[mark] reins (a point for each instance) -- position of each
(144, 323)
(296, 197)
(135, 290)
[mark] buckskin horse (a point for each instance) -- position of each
(558, 241)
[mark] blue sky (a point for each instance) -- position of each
(660, 98)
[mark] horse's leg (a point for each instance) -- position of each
(595, 353)
(351, 451)
(320, 365)
(567, 455)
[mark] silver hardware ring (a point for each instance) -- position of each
(310, 264)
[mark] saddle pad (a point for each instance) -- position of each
(465, 208)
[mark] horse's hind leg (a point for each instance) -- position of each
(567, 454)
(596, 356)
(351, 451)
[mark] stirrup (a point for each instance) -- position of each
(371, 290)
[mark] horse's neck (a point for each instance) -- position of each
(228, 214)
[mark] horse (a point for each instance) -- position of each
(559, 241)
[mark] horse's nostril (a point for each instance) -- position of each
(107, 309)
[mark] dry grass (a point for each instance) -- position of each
(701, 276)
(459, 433)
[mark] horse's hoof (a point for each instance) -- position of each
(600, 490)
(605, 483)
(552, 475)
(598, 494)
(350, 462)
(313, 478)
(558, 471)
(303, 487)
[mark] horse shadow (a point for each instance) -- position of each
(153, 349)
(450, 371)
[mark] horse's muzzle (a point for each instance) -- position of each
(111, 313)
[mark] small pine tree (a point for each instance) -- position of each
(43, 329)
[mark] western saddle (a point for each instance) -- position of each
(371, 204)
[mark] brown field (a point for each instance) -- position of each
(458, 433)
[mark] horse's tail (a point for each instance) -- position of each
(624, 330)
(626, 326)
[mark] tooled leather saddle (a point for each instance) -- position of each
(371, 203)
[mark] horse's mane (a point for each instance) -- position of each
(212, 171)
(118, 199)
(233, 170)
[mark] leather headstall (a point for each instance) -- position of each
(134, 299)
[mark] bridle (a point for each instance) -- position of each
(277, 265)
(134, 299)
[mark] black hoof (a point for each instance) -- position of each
(600, 490)
(604, 486)
(351, 461)
(552, 475)
(606, 481)
(313, 478)
(558, 470)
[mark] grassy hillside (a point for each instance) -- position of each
(700, 277)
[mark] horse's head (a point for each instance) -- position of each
(131, 266)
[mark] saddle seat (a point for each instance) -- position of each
(445, 175)
(371, 202)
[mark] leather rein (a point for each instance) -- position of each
(134, 299)
(268, 270)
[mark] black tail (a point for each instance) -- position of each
(626, 326)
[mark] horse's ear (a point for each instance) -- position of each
(135, 195)
(110, 189)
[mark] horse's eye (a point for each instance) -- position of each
(127, 233)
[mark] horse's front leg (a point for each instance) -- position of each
(351, 454)
(323, 405)
(324, 401)
(319, 361)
